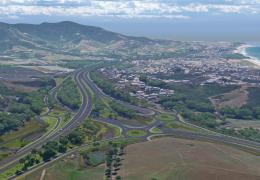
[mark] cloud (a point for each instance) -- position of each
(126, 9)
(244, 2)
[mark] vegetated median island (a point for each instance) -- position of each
(69, 94)
(109, 88)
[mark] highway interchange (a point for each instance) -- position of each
(83, 112)
(85, 85)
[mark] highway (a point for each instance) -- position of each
(142, 111)
(178, 133)
(83, 112)
(83, 82)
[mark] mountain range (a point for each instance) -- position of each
(76, 41)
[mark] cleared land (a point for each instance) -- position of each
(170, 158)
(235, 98)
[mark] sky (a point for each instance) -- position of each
(199, 20)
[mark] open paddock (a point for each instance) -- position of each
(171, 158)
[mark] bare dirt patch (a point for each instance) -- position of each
(170, 158)
(235, 98)
(19, 88)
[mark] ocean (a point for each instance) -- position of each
(253, 52)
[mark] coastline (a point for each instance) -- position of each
(242, 50)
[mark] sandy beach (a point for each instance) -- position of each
(242, 50)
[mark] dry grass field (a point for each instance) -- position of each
(171, 158)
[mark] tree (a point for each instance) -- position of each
(48, 154)
(257, 112)
(22, 160)
(62, 148)
(245, 113)
(18, 172)
(118, 178)
(76, 137)
(64, 140)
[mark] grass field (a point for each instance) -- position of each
(58, 112)
(165, 117)
(155, 130)
(50, 121)
(170, 159)
(171, 122)
(136, 133)
(67, 169)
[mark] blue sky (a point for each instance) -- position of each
(230, 20)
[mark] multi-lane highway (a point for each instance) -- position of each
(84, 83)
(255, 146)
(81, 115)
(142, 111)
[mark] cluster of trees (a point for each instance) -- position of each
(10, 122)
(29, 160)
(121, 110)
(4, 91)
(249, 111)
(90, 129)
(199, 92)
(153, 82)
(76, 137)
(253, 96)
(50, 150)
(20, 110)
(3, 103)
(113, 161)
(192, 96)
(247, 133)
(180, 102)
(250, 133)
(192, 101)
(93, 156)
(245, 112)
(35, 100)
(206, 119)
(99, 106)
(69, 94)
(51, 101)
(108, 88)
